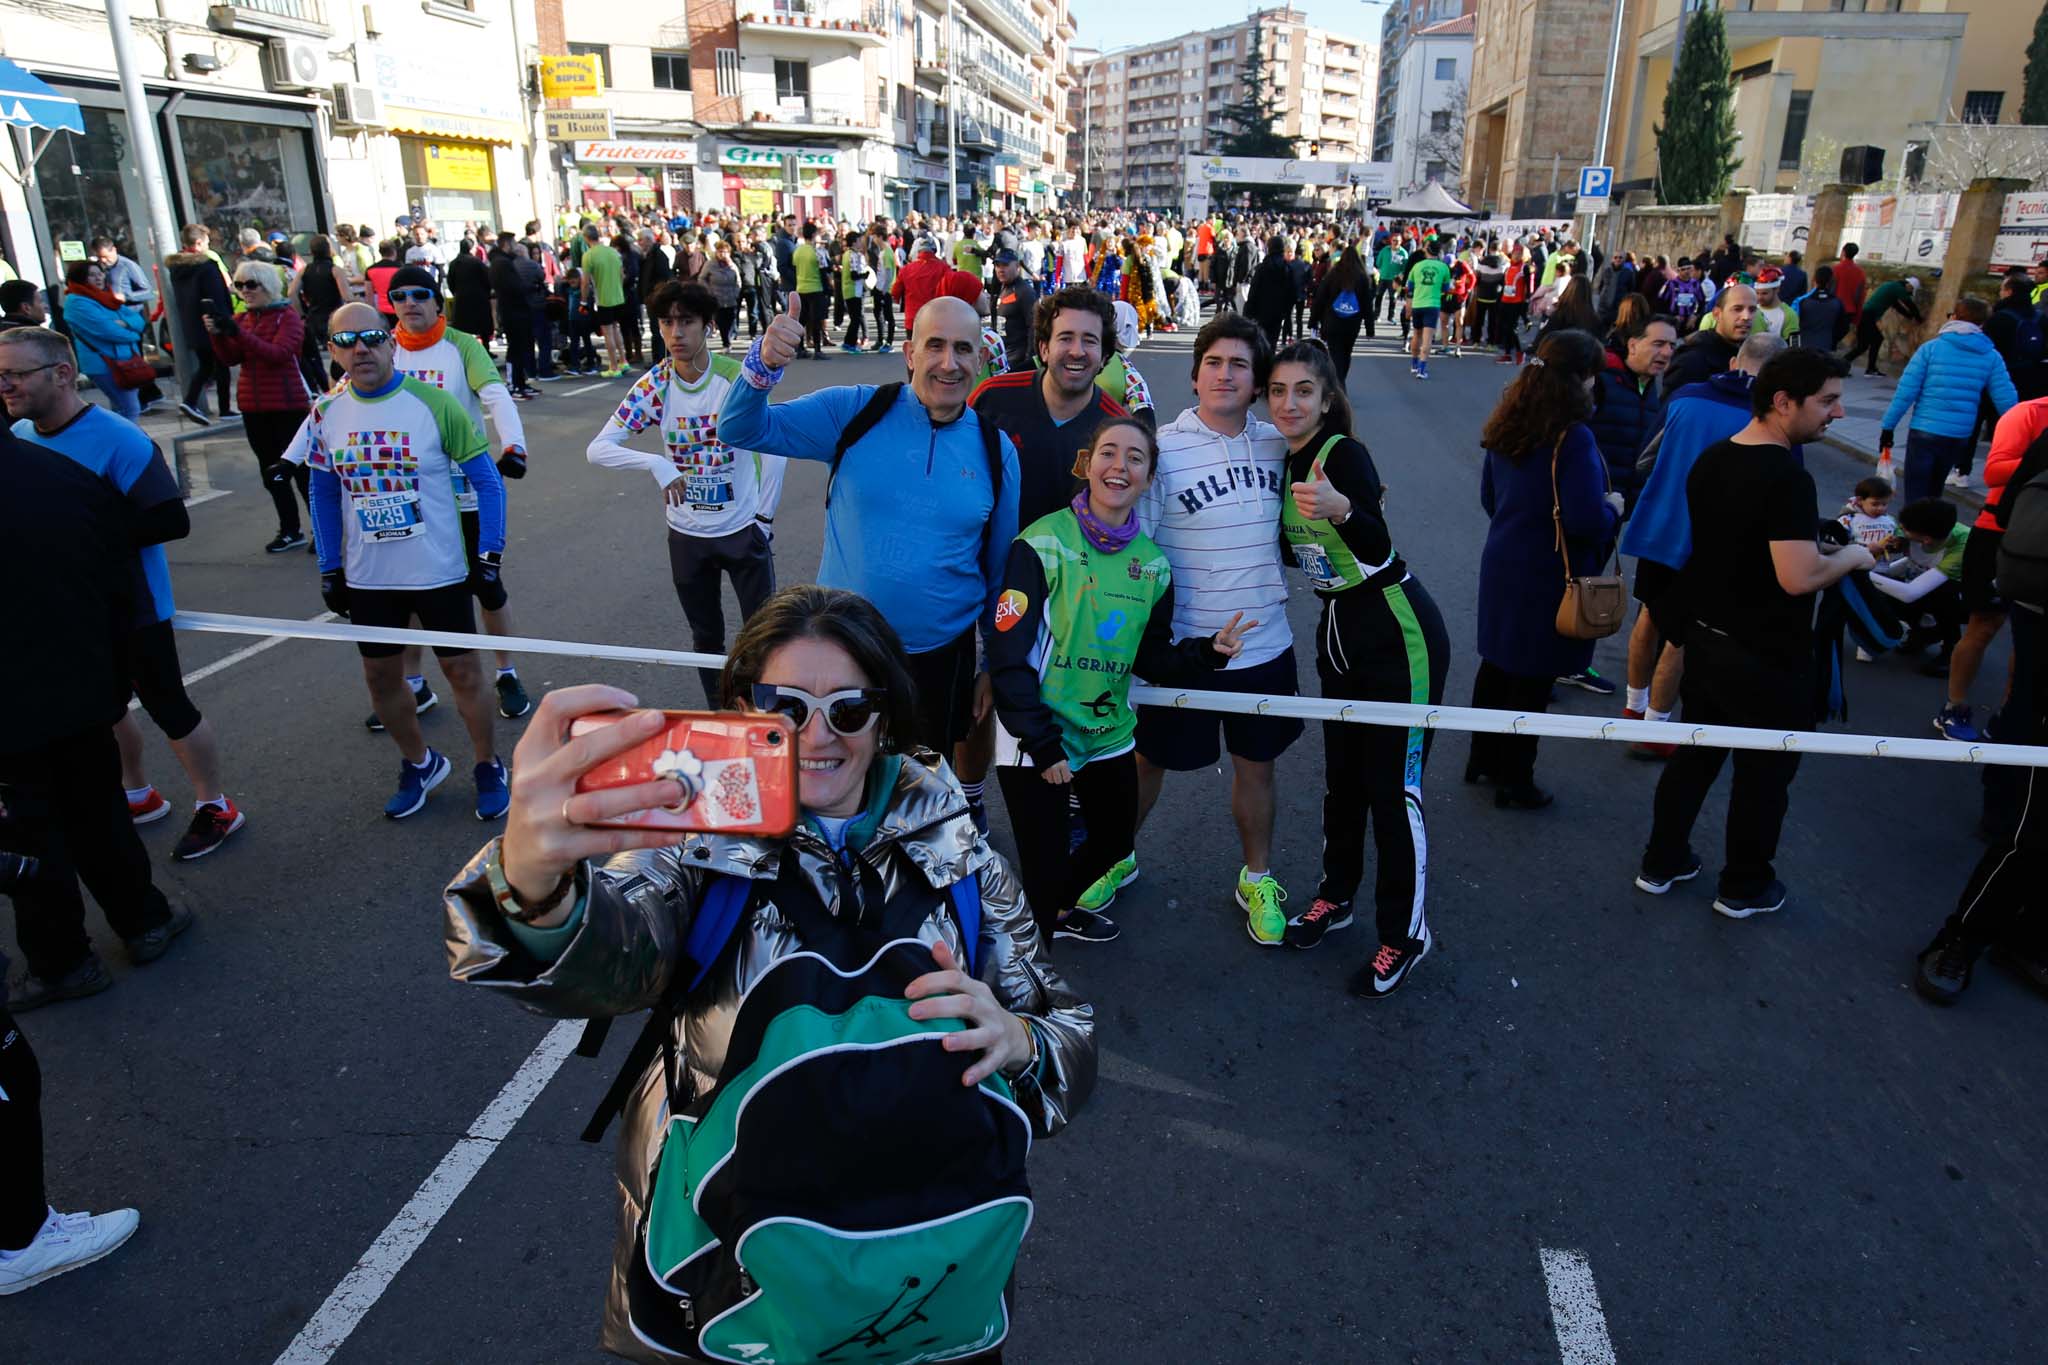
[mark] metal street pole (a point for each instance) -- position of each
(1087, 127)
(1607, 102)
(149, 164)
(952, 118)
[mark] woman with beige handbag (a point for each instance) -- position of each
(1543, 597)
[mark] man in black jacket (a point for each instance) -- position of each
(2015, 329)
(1709, 351)
(515, 317)
(71, 580)
(784, 246)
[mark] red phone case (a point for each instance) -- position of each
(738, 771)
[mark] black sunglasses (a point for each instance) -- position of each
(849, 712)
(372, 337)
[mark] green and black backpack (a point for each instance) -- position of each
(837, 1195)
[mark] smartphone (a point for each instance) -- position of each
(738, 772)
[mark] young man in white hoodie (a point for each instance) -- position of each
(1213, 508)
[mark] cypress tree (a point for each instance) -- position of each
(1696, 140)
(1251, 122)
(2034, 93)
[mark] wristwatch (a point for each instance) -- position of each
(508, 901)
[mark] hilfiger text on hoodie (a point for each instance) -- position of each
(1213, 508)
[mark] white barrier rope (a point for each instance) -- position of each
(1400, 714)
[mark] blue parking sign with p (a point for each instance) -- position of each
(1595, 181)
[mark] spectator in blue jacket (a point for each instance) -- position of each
(1628, 406)
(1659, 530)
(1943, 384)
(128, 281)
(104, 329)
(911, 523)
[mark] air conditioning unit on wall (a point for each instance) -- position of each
(293, 64)
(358, 106)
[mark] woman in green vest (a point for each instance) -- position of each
(1087, 599)
(1380, 639)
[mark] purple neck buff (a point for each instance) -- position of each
(1103, 536)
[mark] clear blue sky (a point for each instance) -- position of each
(1105, 24)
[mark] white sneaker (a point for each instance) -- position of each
(1957, 479)
(1862, 655)
(66, 1241)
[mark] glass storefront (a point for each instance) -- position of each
(450, 183)
(252, 175)
(231, 166)
(84, 194)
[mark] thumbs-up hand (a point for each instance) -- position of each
(781, 341)
(1318, 501)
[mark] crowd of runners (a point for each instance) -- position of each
(1012, 537)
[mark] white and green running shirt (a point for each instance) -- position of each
(724, 489)
(456, 363)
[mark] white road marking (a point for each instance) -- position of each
(230, 660)
(360, 1289)
(1575, 1309)
(207, 495)
(571, 393)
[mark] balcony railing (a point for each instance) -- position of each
(1013, 20)
(271, 17)
(856, 21)
(799, 111)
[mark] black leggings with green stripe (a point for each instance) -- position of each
(1379, 643)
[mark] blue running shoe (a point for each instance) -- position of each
(493, 790)
(413, 785)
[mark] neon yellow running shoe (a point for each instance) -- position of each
(1260, 900)
(1097, 897)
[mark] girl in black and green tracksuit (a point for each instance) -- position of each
(1380, 639)
(1087, 600)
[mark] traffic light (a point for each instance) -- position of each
(1315, 149)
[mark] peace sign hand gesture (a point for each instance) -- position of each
(1229, 641)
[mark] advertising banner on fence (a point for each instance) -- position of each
(2022, 231)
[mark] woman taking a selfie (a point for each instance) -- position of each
(1087, 601)
(570, 919)
(1381, 638)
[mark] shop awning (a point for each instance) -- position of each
(28, 103)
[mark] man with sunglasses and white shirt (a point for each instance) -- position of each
(455, 362)
(384, 449)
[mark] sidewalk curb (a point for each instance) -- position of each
(1969, 497)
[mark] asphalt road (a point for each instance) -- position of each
(1763, 1145)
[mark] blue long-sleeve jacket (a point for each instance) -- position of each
(1697, 416)
(1946, 379)
(105, 333)
(914, 526)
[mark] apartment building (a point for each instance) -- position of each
(1398, 27)
(874, 103)
(1146, 108)
(1431, 90)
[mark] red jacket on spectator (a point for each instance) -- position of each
(1850, 286)
(2016, 432)
(925, 279)
(266, 345)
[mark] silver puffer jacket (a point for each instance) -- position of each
(636, 919)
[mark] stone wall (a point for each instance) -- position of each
(1669, 230)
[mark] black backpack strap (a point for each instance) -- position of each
(720, 909)
(871, 413)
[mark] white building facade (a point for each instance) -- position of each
(278, 115)
(1146, 108)
(1426, 139)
